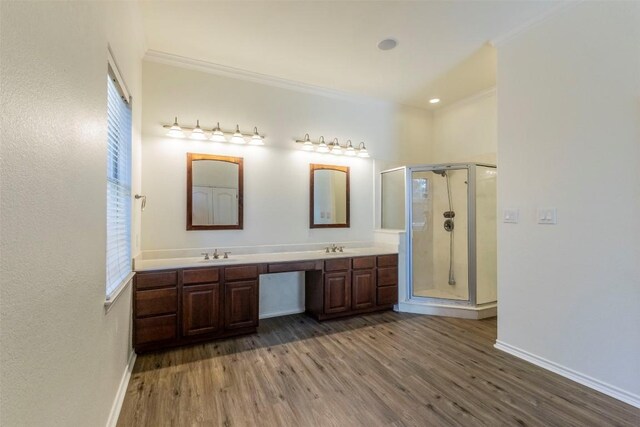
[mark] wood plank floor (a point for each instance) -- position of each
(386, 369)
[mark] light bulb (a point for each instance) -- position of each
(362, 150)
(337, 150)
(197, 132)
(307, 144)
(175, 130)
(322, 146)
(237, 137)
(217, 135)
(256, 139)
(350, 151)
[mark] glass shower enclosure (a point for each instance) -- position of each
(451, 234)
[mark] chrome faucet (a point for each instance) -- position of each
(206, 256)
(334, 248)
(216, 255)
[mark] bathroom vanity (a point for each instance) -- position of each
(183, 301)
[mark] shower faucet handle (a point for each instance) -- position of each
(449, 214)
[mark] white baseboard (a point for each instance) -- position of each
(281, 313)
(602, 387)
(122, 391)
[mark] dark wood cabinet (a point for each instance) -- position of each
(156, 330)
(241, 305)
(387, 281)
(363, 289)
(337, 292)
(185, 306)
(201, 312)
(349, 286)
(191, 305)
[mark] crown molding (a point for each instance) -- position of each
(265, 79)
(513, 33)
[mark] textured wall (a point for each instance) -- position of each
(62, 357)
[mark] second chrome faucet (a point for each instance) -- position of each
(215, 255)
(334, 248)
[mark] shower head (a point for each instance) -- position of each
(440, 172)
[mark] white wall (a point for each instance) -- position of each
(276, 176)
(62, 357)
(466, 131)
(569, 137)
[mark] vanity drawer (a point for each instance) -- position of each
(156, 301)
(337, 264)
(388, 260)
(364, 262)
(201, 275)
(156, 329)
(388, 276)
(294, 266)
(156, 280)
(387, 295)
(241, 273)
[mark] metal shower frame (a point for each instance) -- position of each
(471, 229)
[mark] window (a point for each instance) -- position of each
(118, 184)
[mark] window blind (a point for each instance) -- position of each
(118, 187)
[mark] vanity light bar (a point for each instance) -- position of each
(333, 147)
(215, 134)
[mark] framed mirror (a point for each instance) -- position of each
(214, 192)
(329, 196)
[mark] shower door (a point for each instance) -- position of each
(439, 218)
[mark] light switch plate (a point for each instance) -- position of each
(547, 216)
(511, 216)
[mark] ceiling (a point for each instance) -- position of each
(442, 45)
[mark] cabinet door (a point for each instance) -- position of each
(241, 304)
(337, 292)
(363, 286)
(200, 309)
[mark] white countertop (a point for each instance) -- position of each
(259, 258)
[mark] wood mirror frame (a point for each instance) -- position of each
(313, 169)
(191, 157)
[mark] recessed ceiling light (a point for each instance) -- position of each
(387, 44)
(434, 100)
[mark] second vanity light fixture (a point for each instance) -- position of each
(216, 134)
(333, 147)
